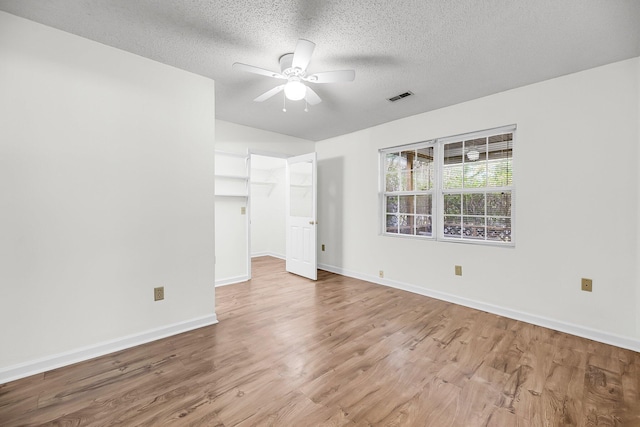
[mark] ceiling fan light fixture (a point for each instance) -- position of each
(295, 90)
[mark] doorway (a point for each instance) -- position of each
(267, 213)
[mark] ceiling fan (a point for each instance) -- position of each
(293, 69)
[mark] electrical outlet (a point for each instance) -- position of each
(158, 293)
(458, 270)
(587, 285)
(381, 274)
(243, 210)
(323, 248)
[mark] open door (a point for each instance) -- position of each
(301, 216)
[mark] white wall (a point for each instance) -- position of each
(231, 234)
(638, 207)
(106, 183)
(576, 163)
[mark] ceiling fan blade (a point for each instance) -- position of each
(332, 76)
(256, 70)
(311, 97)
(302, 54)
(268, 94)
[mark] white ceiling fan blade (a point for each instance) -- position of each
(268, 94)
(311, 97)
(302, 54)
(332, 76)
(256, 70)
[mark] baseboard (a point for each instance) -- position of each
(569, 328)
(231, 280)
(48, 363)
(271, 254)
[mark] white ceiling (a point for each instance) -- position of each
(444, 51)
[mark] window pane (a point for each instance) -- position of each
(452, 176)
(452, 226)
(474, 204)
(423, 225)
(392, 224)
(392, 204)
(475, 163)
(406, 181)
(392, 166)
(405, 224)
(500, 160)
(406, 204)
(474, 227)
(405, 161)
(499, 229)
(392, 182)
(424, 179)
(398, 161)
(423, 204)
(475, 150)
(452, 168)
(452, 204)
(499, 204)
(423, 168)
(475, 175)
(391, 162)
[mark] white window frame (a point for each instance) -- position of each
(438, 192)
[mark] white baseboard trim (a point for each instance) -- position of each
(231, 280)
(569, 328)
(271, 254)
(48, 363)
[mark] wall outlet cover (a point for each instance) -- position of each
(158, 293)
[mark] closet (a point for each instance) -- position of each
(267, 187)
(232, 217)
(249, 212)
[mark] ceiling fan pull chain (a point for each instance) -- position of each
(306, 106)
(284, 103)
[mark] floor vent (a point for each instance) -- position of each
(399, 97)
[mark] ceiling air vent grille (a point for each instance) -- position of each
(399, 97)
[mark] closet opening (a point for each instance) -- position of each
(267, 185)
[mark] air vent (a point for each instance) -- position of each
(399, 97)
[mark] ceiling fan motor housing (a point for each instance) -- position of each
(287, 69)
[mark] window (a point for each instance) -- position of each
(409, 183)
(456, 189)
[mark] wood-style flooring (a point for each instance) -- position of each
(339, 352)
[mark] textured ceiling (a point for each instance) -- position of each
(444, 51)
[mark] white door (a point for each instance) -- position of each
(301, 216)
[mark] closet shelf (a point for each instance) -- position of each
(232, 195)
(238, 177)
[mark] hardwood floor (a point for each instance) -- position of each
(340, 352)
